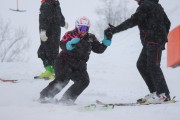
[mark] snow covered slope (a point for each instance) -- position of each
(114, 77)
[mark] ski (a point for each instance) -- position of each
(90, 107)
(94, 107)
(102, 106)
(132, 104)
(9, 81)
(45, 78)
(117, 104)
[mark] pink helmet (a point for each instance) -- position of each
(43, 1)
(82, 21)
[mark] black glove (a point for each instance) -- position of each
(109, 32)
(112, 28)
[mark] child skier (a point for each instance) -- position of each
(71, 63)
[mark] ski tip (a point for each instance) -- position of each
(36, 77)
(99, 102)
(45, 78)
(9, 81)
(86, 108)
(174, 98)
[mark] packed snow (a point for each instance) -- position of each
(113, 75)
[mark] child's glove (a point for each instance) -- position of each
(106, 42)
(69, 44)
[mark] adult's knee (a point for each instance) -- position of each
(153, 66)
(140, 66)
(40, 53)
(86, 83)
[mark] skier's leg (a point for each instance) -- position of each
(154, 58)
(52, 89)
(62, 73)
(81, 81)
(143, 70)
(52, 50)
(52, 47)
(42, 54)
(47, 65)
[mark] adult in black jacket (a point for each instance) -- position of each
(50, 21)
(154, 26)
(71, 63)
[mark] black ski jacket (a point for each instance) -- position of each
(152, 22)
(51, 18)
(80, 54)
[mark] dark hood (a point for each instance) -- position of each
(51, 1)
(156, 1)
(55, 2)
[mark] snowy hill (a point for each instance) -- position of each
(114, 76)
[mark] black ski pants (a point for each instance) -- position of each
(64, 72)
(48, 52)
(148, 65)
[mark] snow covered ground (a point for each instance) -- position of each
(111, 83)
(114, 77)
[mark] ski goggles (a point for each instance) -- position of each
(83, 28)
